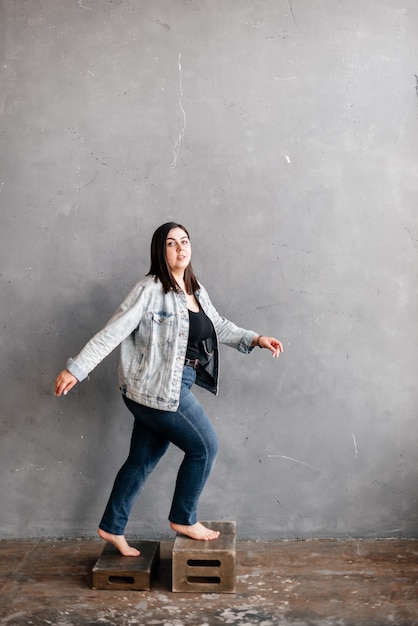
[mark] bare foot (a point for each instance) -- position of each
(120, 542)
(196, 531)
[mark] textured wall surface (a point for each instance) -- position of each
(283, 133)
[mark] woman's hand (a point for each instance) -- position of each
(272, 344)
(64, 382)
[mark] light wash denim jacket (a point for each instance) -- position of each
(152, 329)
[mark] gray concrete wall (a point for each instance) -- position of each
(284, 135)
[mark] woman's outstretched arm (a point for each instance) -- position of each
(274, 345)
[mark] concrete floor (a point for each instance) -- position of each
(289, 583)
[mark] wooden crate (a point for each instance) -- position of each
(206, 566)
(117, 572)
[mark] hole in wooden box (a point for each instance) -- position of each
(121, 580)
(203, 563)
(214, 580)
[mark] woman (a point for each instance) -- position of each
(168, 331)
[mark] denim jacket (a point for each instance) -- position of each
(152, 329)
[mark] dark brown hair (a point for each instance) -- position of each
(159, 266)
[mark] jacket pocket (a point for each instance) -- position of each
(162, 325)
(136, 367)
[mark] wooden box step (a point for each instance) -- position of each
(206, 566)
(117, 572)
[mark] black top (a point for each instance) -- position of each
(200, 328)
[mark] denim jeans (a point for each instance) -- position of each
(190, 430)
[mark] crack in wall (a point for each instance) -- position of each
(416, 90)
(290, 3)
(177, 145)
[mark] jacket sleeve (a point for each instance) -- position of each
(227, 332)
(122, 323)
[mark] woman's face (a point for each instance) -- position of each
(178, 251)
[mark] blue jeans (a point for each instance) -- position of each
(153, 431)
